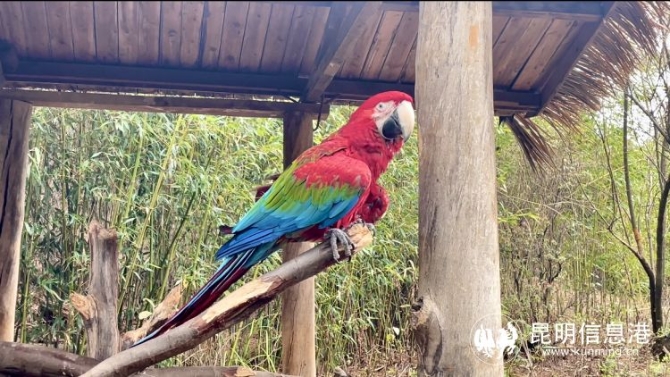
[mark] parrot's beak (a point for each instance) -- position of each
(400, 123)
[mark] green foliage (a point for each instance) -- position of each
(166, 182)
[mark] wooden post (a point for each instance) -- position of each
(298, 322)
(99, 307)
(14, 131)
(459, 277)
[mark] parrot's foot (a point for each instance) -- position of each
(336, 235)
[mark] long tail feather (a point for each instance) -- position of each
(231, 270)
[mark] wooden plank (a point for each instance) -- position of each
(276, 38)
(512, 32)
(107, 43)
(381, 44)
(129, 32)
(332, 30)
(37, 32)
(233, 34)
(212, 21)
(353, 65)
(254, 36)
(5, 34)
(14, 133)
(83, 30)
(308, 62)
(572, 10)
(11, 15)
(509, 66)
(296, 45)
(60, 30)
(170, 33)
(401, 47)
(499, 24)
(188, 105)
(149, 33)
(337, 50)
(191, 27)
(567, 60)
(408, 70)
(537, 64)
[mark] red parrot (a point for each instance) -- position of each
(326, 189)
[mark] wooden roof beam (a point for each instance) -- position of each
(343, 28)
(568, 60)
(37, 74)
(161, 104)
(574, 10)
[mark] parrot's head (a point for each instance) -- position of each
(391, 113)
(378, 129)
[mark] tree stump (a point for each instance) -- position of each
(99, 307)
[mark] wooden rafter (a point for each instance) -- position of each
(191, 105)
(119, 78)
(342, 30)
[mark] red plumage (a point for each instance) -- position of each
(359, 139)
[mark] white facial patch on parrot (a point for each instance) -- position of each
(406, 116)
(404, 113)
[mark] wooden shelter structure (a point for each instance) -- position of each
(291, 60)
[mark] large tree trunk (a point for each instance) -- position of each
(298, 322)
(459, 277)
(14, 131)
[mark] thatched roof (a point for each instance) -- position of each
(631, 33)
(551, 60)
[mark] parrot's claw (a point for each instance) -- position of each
(336, 235)
(370, 226)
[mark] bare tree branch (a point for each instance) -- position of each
(228, 311)
(161, 313)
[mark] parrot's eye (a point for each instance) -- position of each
(381, 106)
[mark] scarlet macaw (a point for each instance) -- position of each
(326, 189)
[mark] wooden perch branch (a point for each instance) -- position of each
(98, 308)
(30, 360)
(228, 311)
(161, 313)
(20, 359)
